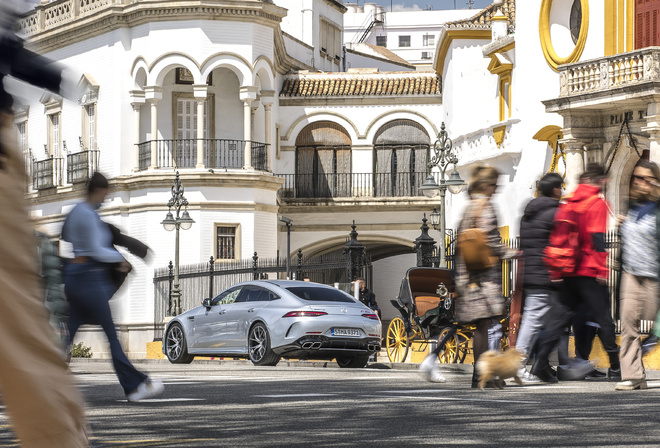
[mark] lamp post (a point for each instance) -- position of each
(288, 222)
(181, 221)
(442, 157)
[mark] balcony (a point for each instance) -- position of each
(47, 173)
(81, 166)
(218, 153)
(352, 185)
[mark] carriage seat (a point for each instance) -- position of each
(424, 302)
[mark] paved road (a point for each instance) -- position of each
(207, 404)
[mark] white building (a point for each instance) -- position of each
(248, 102)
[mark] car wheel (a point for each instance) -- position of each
(259, 347)
(176, 348)
(353, 363)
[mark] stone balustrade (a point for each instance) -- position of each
(610, 72)
(50, 15)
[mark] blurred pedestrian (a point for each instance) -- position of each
(535, 227)
(89, 285)
(640, 238)
(43, 404)
(366, 296)
(587, 284)
(480, 300)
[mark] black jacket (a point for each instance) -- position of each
(535, 227)
(368, 298)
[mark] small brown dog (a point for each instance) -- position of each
(497, 366)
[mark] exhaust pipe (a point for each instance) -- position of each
(372, 347)
(307, 345)
(316, 345)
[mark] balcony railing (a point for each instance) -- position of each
(47, 173)
(218, 153)
(352, 185)
(80, 166)
(610, 72)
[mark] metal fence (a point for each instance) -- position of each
(81, 166)
(47, 173)
(202, 280)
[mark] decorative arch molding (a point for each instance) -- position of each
(622, 167)
(305, 120)
(551, 56)
(139, 62)
(232, 61)
(161, 66)
(386, 117)
(336, 243)
(264, 65)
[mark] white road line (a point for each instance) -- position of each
(415, 391)
(415, 397)
(295, 395)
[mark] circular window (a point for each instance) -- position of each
(563, 26)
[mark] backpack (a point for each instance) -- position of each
(563, 254)
(476, 253)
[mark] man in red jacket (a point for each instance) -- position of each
(588, 284)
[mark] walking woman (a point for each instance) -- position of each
(89, 287)
(480, 299)
(640, 237)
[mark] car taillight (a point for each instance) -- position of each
(305, 314)
(371, 316)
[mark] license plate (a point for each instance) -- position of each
(345, 332)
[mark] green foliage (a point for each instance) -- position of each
(80, 351)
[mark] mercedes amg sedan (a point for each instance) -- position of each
(266, 320)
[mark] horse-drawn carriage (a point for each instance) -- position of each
(426, 306)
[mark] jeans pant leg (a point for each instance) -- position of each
(89, 291)
(559, 316)
(536, 308)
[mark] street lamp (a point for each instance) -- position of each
(288, 222)
(181, 221)
(442, 157)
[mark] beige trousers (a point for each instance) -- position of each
(40, 398)
(639, 301)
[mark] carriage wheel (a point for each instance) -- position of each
(463, 345)
(450, 354)
(397, 341)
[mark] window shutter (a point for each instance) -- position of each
(646, 23)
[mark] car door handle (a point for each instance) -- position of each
(251, 310)
(222, 312)
(191, 317)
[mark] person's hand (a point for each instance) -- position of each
(619, 220)
(125, 267)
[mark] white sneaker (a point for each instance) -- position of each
(147, 389)
(430, 370)
(527, 377)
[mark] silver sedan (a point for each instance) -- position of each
(266, 320)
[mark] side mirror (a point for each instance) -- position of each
(206, 303)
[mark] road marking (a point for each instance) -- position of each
(415, 397)
(295, 395)
(414, 391)
(152, 442)
(163, 400)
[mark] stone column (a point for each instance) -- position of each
(137, 100)
(154, 94)
(247, 94)
(200, 92)
(574, 150)
(267, 98)
(653, 128)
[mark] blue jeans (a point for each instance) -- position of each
(536, 307)
(89, 289)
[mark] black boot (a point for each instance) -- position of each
(614, 372)
(649, 344)
(544, 372)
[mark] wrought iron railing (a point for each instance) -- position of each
(218, 153)
(80, 166)
(47, 173)
(352, 185)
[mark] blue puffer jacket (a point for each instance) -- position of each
(535, 227)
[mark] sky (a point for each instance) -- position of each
(418, 5)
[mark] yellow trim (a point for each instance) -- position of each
(621, 27)
(504, 113)
(498, 67)
(443, 46)
(551, 134)
(551, 56)
(610, 26)
(498, 134)
(630, 25)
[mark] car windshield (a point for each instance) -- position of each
(315, 294)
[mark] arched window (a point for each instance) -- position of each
(323, 161)
(401, 152)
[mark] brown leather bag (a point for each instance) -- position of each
(474, 250)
